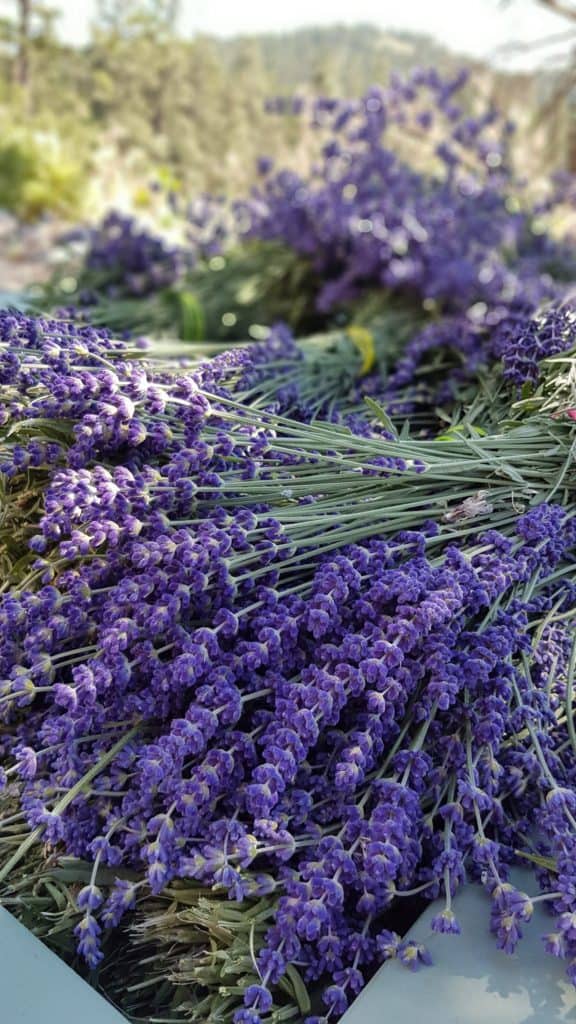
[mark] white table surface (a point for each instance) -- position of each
(36, 987)
(471, 981)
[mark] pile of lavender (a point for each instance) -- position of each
(273, 663)
(411, 201)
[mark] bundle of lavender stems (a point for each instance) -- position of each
(308, 665)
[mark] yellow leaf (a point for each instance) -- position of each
(363, 340)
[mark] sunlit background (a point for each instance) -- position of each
(106, 102)
(480, 28)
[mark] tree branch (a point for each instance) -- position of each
(565, 10)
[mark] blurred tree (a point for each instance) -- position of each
(28, 26)
(128, 17)
(24, 30)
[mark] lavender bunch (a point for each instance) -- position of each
(124, 259)
(374, 221)
(365, 217)
(280, 658)
(229, 297)
(282, 704)
(460, 241)
(129, 280)
(125, 411)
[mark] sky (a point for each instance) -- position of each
(479, 28)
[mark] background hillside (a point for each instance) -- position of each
(139, 103)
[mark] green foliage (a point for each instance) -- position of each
(227, 298)
(37, 175)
